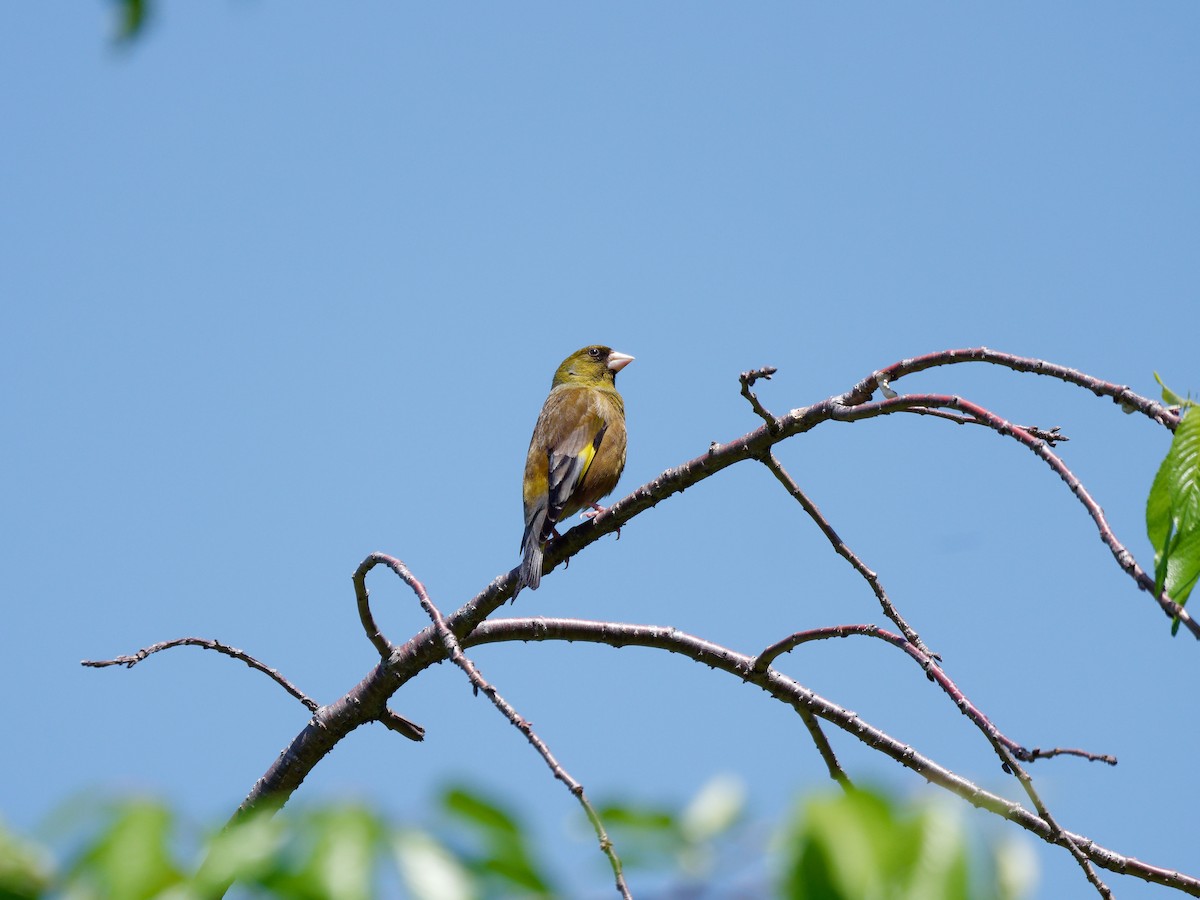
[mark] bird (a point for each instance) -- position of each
(577, 451)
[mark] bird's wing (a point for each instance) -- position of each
(569, 430)
(568, 465)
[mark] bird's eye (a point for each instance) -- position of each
(594, 352)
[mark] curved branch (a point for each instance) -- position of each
(1120, 394)
(933, 672)
(130, 661)
(362, 595)
(1120, 553)
(796, 695)
(1051, 436)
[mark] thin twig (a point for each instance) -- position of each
(1051, 436)
(836, 772)
(1038, 753)
(933, 671)
(130, 661)
(843, 550)
(747, 379)
(454, 651)
(1057, 833)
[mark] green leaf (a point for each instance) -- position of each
(1169, 396)
(1173, 513)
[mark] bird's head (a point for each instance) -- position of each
(593, 366)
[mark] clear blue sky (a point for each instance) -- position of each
(285, 284)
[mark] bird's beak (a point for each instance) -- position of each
(618, 361)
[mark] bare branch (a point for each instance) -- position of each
(1037, 753)
(1120, 394)
(843, 550)
(1051, 436)
(454, 651)
(1057, 833)
(1122, 555)
(794, 694)
(397, 723)
(747, 379)
(374, 635)
(933, 672)
(836, 772)
(130, 661)
(1007, 749)
(391, 720)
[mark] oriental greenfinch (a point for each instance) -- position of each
(577, 450)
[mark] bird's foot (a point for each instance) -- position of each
(597, 510)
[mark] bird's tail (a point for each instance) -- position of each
(532, 546)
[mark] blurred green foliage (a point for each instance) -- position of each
(861, 844)
(131, 18)
(25, 868)
(836, 845)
